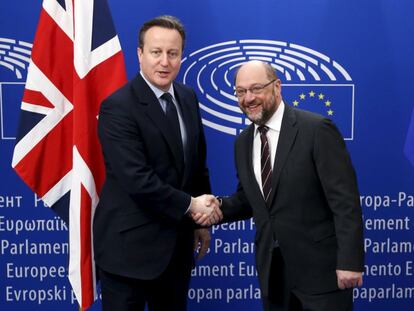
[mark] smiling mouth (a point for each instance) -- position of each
(253, 107)
(163, 73)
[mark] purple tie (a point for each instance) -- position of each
(265, 163)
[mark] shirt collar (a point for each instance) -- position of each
(275, 121)
(158, 92)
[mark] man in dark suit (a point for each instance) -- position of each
(155, 153)
(297, 181)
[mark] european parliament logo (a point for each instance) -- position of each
(310, 80)
(14, 60)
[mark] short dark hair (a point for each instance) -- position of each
(164, 21)
(270, 71)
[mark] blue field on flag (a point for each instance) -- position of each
(333, 101)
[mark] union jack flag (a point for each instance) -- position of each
(76, 62)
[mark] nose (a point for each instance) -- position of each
(164, 59)
(249, 96)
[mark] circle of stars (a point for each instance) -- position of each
(319, 96)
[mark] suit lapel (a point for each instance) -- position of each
(156, 114)
(288, 132)
(185, 109)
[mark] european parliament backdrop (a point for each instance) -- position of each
(351, 61)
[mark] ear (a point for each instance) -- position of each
(278, 83)
(278, 86)
(139, 53)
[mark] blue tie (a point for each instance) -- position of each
(172, 116)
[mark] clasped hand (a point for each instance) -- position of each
(205, 210)
(348, 279)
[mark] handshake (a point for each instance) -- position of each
(205, 210)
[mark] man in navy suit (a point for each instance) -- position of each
(297, 181)
(155, 157)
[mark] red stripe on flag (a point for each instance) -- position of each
(49, 160)
(86, 248)
(36, 98)
(88, 95)
(53, 54)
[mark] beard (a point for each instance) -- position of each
(261, 117)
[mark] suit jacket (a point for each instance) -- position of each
(141, 213)
(313, 212)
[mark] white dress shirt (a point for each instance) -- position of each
(274, 124)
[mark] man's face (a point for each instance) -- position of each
(258, 107)
(160, 57)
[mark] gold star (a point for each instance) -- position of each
(330, 112)
(302, 96)
(321, 96)
(312, 94)
(327, 103)
(295, 103)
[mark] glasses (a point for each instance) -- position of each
(257, 89)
